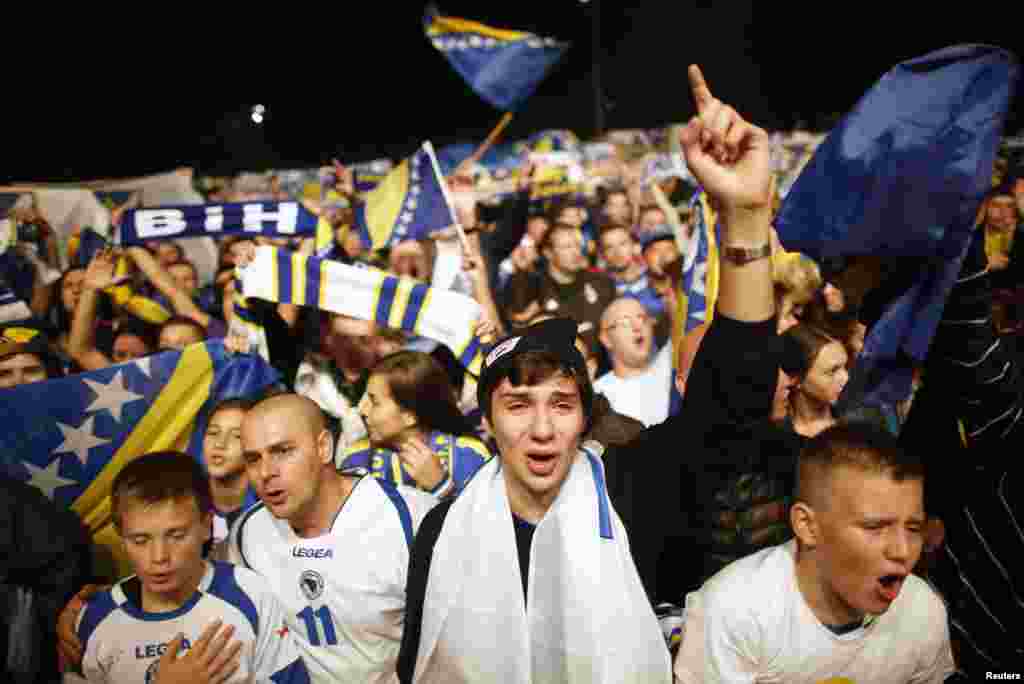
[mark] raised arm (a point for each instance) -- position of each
(163, 282)
(733, 380)
(81, 340)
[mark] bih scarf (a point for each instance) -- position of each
(587, 618)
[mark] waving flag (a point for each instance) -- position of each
(69, 437)
(278, 275)
(270, 219)
(503, 67)
(903, 174)
(699, 284)
(409, 204)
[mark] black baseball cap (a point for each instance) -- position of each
(554, 336)
(29, 337)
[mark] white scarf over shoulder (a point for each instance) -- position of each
(588, 619)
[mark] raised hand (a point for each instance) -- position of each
(727, 154)
(487, 330)
(100, 273)
(244, 254)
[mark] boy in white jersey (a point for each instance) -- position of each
(838, 603)
(334, 547)
(162, 508)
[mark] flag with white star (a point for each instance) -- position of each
(70, 436)
(408, 204)
(503, 67)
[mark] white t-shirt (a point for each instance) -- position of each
(750, 623)
(344, 592)
(645, 396)
(315, 381)
(122, 643)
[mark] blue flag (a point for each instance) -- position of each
(503, 67)
(70, 436)
(270, 219)
(88, 245)
(408, 204)
(903, 174)
(699, 283)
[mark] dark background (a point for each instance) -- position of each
(94, 97)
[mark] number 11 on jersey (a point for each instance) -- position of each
(310, 617)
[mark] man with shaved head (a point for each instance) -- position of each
(333, 545)
(639, 383)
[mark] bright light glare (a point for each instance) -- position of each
(257, 118)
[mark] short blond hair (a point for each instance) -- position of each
(796, 275)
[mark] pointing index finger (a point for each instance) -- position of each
(699, 87)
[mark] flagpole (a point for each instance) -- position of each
(463, 240)
(492, 138)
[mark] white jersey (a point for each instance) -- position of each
(344, 592)
(750, 623)
(645, 397)
(123, 643)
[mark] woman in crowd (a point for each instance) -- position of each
(811, 402)
(417, 435)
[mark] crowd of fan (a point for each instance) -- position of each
(400, 408)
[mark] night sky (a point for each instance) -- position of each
(120, 99)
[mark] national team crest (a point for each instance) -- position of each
(311, 583)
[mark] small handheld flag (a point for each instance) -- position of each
(408, 204)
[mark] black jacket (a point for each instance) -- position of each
(45, 558)
(706, 486)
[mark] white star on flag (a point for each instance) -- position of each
(112, 396)
(144, 367)
(700, 274)
(47, 479)
(79, 440)
(411, 204)
(407, 216)
(414, 190)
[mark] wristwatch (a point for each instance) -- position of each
(744, 255)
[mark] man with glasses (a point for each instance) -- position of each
(639, 383)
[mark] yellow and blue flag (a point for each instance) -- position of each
(503, 67)
(903, 175)
(408, 204)
(70, 436)
(699, 282)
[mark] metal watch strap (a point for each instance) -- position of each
(744, 255)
